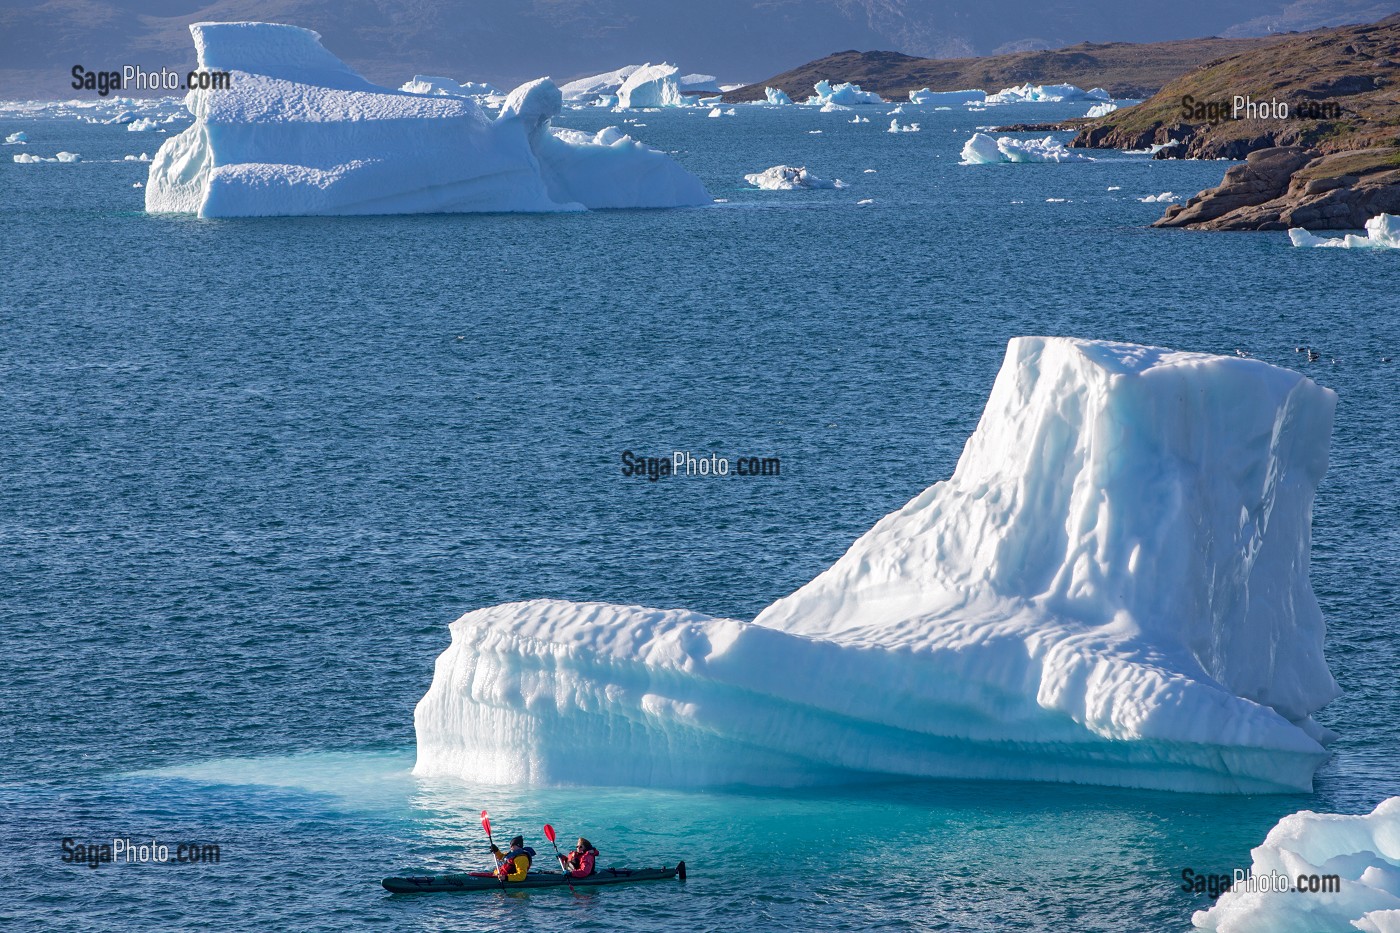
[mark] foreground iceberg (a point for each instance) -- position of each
(300, 133)
(947, 98)
(1362, 851)
(982, 149)
(1382, 232)
(777, 96)
(1112, 588)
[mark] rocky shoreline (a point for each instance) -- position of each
(1321, 143)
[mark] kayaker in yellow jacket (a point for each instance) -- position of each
(515, 864)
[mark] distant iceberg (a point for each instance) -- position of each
(651, 86)
(982, 149)
(699, 84)
(789, 178)
(844, 94)
(591, 88)
(777, 96)
(1101, 110)
(1112, 588)
(897, 127)
(300, 133)
(17, 139)
(1166, 197)
(947, 98)
(1362, 851)
(1382, 232)
(1046, 93)
(482, 92)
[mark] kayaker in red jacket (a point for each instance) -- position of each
(579, 862)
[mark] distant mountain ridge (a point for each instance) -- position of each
(1127, 70)
(507, 43)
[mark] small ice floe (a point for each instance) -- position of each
(866, 201)
(16, 139)
(145, 124)
(1166, 197)
(898, 108)
(814, 132)
(137, 184)
(859, 119)
(1056, 200)
(24, 158)
(870, 171)
(895, 127)
(1382, 232)
(830, 107)
(716, 112)
(1115, 187)
(143, 157)
(789, 178)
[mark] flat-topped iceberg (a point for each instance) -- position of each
(947, 98)
(1046, 93)
(299, 133)
(1363, 852)
(599, 85)
(1112, 588)
(1382, 232)
(981, 149)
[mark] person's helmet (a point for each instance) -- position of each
(518, 842)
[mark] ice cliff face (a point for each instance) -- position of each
(1111, 588)
(299, 133)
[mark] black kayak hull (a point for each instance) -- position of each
(480, 881)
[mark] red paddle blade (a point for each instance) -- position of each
(549, 832)
(485, 822)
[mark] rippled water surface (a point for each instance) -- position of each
(252, 469)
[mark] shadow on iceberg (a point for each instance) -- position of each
(1112, 588)
(299, 133)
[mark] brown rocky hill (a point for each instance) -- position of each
(1125, 69)
(1330, 162)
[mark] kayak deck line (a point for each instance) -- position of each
(487, 881)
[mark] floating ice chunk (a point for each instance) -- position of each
(716, 112)
(142, 125)
(301, 133)
(16, 139)
(432, 84)
(814, 132)
(789, 178)
(777, 96)
(651, 86)
(926, 96)
(1112, 588)
(870, 171)
(1101, 110)
(982, 149)
(896, 127)
(899, 108)
(1166, 197)
(859, 119)
(137, 184)
(1382, 232)
(1158, 147)
(1362, 851)
(830, 107)
(845, 94)
(866, 201)
(1115, 187)
(1056, 200)
(25, 158)
(66, 156)
(1045, 93)
(596, 86)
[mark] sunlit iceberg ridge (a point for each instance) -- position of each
(299, 133)
(1112, 588)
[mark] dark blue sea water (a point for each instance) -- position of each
(252, 469)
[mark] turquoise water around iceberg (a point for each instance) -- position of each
(254, 468)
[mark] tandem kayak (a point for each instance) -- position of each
(486, 881)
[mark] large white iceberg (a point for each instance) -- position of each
(1112, 588)
(651, 86)
(1046, 93)
(777, 96)
(1288, 889)
(946, 98)
(1382, 232)
(846, 94)
(300, 133)
(982, 149)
